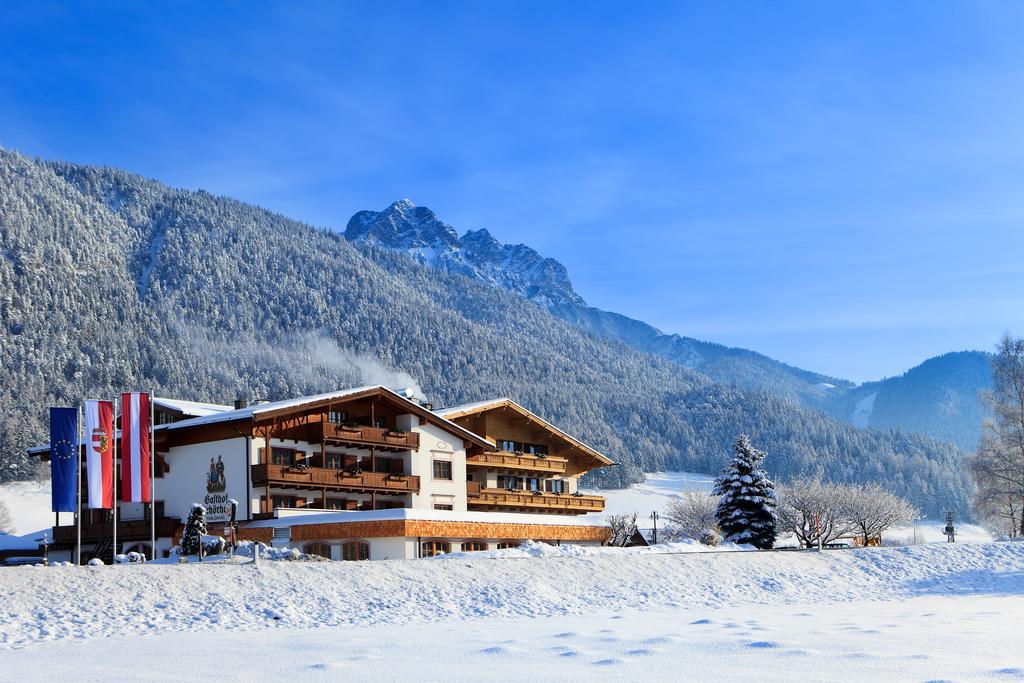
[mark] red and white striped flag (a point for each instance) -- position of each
(99, 433)
(135, 453)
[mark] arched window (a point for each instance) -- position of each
(355, 550)
(505, 545)
(473, 546)
(321, 549)
(431, 548)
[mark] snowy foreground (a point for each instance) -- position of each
(915, 613)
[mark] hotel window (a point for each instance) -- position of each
(283, 501)
(443, 469)
(321, 549)
(443, 506)
(473, 546)
(505, 545)
(336, 504)
(535, 449)
(555, 485)
(508, 446)
(432, 548)
(282, 456)
(532, 484)
(164, 418)
(338, 417)
(334, 461)
(355, 550)
(389, 466)
(508, 482)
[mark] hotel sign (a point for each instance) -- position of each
(216, 500)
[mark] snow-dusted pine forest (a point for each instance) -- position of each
(109, 281)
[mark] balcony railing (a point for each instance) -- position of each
(486, 498)
(131, 530)
(519, 461)
(377, 437)
(336, 480)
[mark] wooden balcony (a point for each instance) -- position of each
(550, 464)
(527, 501)
(282, 476)
(369, 437)
(131, 530)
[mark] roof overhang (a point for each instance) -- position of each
(457, 412)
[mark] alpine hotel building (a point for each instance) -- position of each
(366, 473)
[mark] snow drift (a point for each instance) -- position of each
(50, 603)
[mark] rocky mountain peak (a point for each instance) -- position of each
(418, 231)
(402, 225)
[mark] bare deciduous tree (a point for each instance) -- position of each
(623, 527)
(41, 474)
(998, 465)
(872, 510)
(692, 515)
(6, 521)
(813, 512)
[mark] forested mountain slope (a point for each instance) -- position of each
(939, 397)
(109, 281)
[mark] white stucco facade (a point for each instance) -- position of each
(188, 481)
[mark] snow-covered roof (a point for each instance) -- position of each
(193, 408)
(289, 518)
(23, 542)
(472, 407)
(253, 411)
(480, 406)
(215, 413)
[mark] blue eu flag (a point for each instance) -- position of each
(63, 458)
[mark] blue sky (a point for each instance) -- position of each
(837, 185)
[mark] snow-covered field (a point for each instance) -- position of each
(29, 504)
(654, 493)
(925, 612)
(922, 612)
(928, 638)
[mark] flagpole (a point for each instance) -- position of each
(78, 515)
(113, 466)
(152, 479)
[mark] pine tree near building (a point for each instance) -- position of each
(195, 529)
(746, 510)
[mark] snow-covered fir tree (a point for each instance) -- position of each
(195, 529)
(746, 511)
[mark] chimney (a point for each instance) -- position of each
(241, 403)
